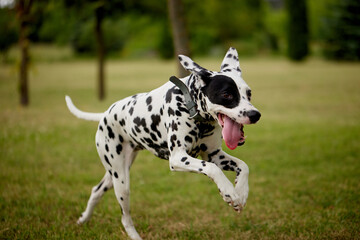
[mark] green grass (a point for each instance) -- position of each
(303, 155)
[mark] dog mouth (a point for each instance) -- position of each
(232, 132)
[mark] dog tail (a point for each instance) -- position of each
(80, 114)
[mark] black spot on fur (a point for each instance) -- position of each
(99, 186)
(184, 159)
(148, 100)
(110, 133)
(173, 139)
(203, 147)
(107, 160)
(188, 139)
(101, 128)
(118, 149)
(174, 126)
(226, 168)
(106, 147)
(137, 129)
(224, 66)
(174, 90)
(105, 121)
(140, 121)
(116, 175)
(131, 111)
(171, 112)
(153, 137)
(133, 131)
(155, 121)
(169, 95)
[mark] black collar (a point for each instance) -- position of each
(189, 102)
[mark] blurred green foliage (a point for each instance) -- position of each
(140, 28)
(8, 33)
(342, 35)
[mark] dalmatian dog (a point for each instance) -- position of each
(160, 122)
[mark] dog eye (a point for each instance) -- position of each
(227, 96)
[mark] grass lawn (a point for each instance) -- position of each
(303, 155)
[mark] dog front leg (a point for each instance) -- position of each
(229, 163)
(181, 161)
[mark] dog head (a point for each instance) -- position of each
(224, 95)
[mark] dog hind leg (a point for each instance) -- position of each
(96, 194)
(121, 180)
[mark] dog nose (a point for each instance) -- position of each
(253, 115)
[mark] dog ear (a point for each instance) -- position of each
(193, 67)
(231, 61)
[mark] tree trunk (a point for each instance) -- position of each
(298, 32)
(99, 16)
(179, 31)
(23, 11)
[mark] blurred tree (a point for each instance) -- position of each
(342, 40)
(99, 9)
(7, 31)
(165, 44)
(23, 11)
(99, 17)
(298, 33)
(179, 31)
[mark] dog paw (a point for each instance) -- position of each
(234, 200)
(243, 192)
(81, 220)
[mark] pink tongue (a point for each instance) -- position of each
(231, 133)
